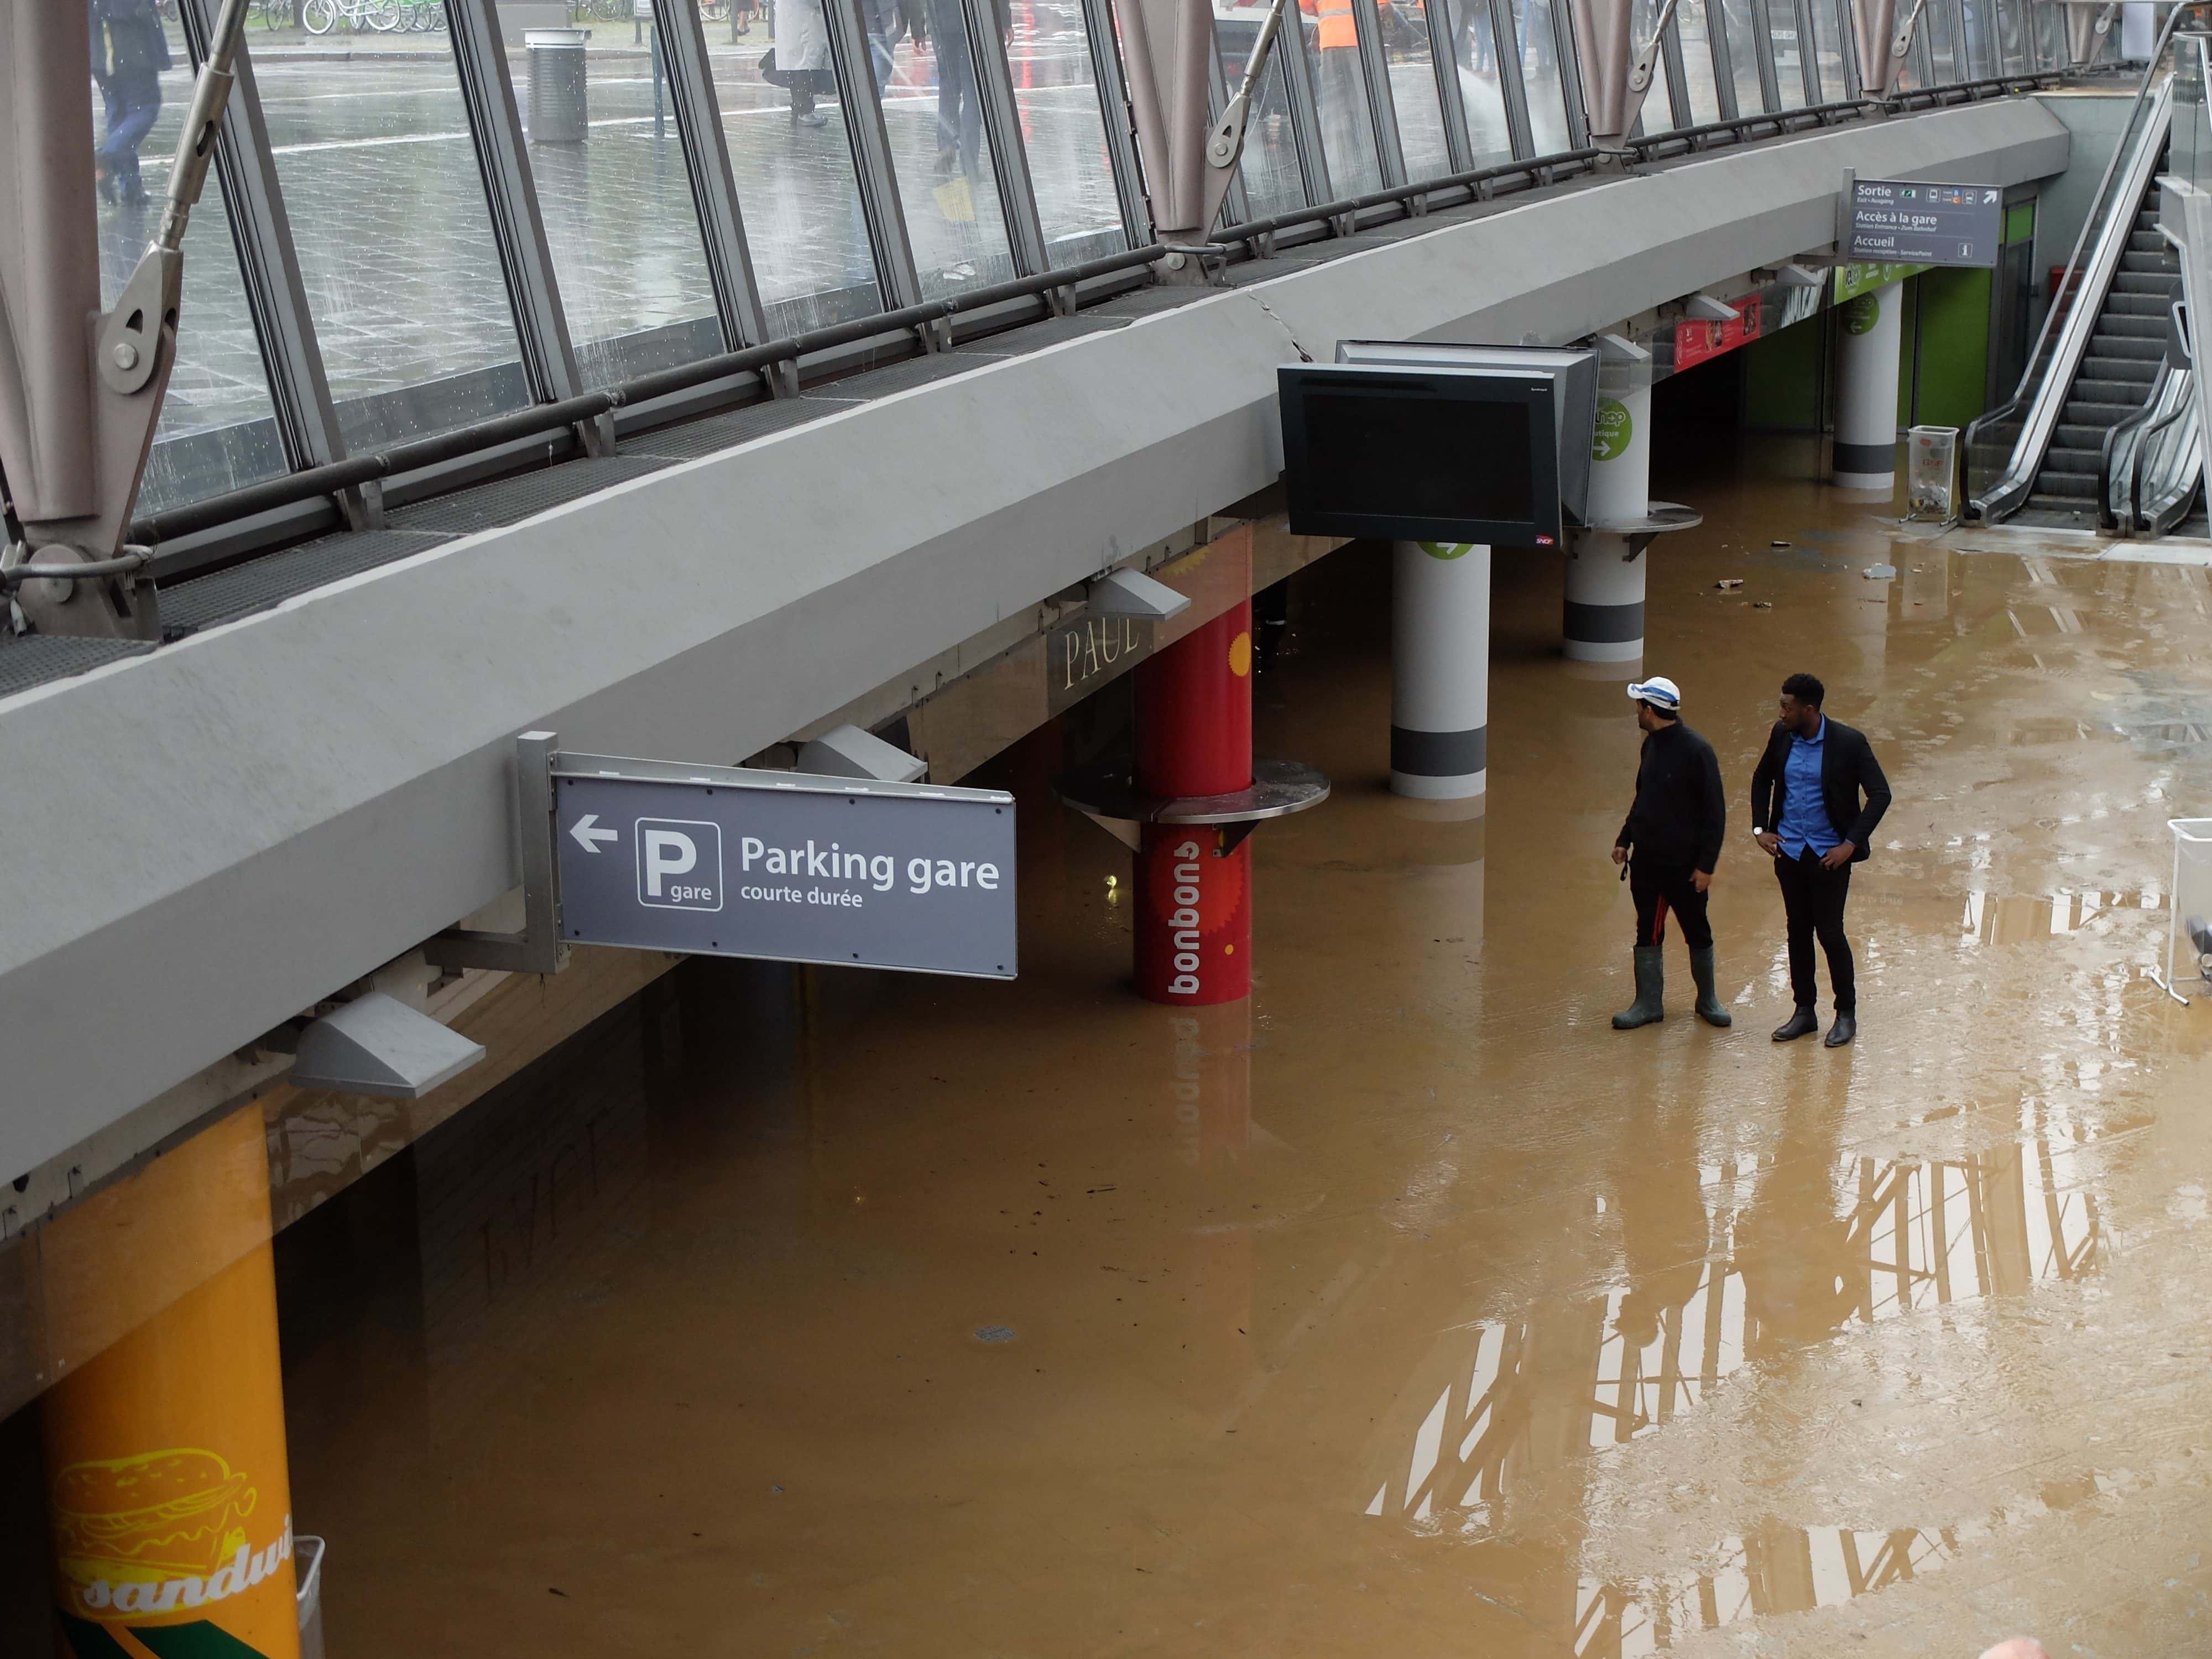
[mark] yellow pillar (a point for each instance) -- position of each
(169, 1490)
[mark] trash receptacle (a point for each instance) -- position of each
(560, 110)
(2189, 924)
(307, 1572)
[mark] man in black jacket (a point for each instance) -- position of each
(1670, 843)
(1815, 799)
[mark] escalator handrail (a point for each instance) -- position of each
(2115, 434)
(2159, 520)
(2127, 178)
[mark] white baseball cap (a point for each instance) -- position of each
(1659, 691)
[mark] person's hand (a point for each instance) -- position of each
(1771, 843)
(1838, 856)
(1701, 879)
(1620, 856)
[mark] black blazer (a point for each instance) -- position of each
(1847, 769)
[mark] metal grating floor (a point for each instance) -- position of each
(510, 501)
(38, 658)
(260, 583)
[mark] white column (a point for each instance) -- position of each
(1440, 670)
(1869, 334)
(1604, 618)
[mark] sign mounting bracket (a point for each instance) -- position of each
(539, 948)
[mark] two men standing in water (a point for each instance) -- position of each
(1816, 797)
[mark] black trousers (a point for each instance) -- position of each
(1659, 888)
(1813, 898)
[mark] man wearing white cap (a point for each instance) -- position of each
(1670, 843)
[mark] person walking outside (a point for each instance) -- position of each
(1670, 843)
(801, 56)
(129, 50)
(1815, 799)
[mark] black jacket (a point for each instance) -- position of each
(1681, 811)
(1848, 768)
(128, 41)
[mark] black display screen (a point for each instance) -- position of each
(1419, 456)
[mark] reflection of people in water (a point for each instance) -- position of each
(1664, 1233)
(1792, 1248)
(128, 53)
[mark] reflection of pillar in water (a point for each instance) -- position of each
(1866, 344)
(1210, 1088)
(1194, 919)
(1440, 670)
(167, 1477)
(1604, 616)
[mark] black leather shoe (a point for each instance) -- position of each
(1803, 1023)
(1845, 1028)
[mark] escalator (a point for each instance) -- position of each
(2099, 417)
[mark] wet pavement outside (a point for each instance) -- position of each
(1409, 1308)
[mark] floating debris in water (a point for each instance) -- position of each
(1729, 582)
(1878, 573)
(1762, 604)
(1777, 544)
(994, 1333)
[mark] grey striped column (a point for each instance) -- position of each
(1604, 616)
(1870, 333)
(1440, 670)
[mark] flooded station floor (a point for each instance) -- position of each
(1409, 1308)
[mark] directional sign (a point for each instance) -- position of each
(718, 860)
(1906, 221)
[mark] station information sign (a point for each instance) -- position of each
(792, 867)
(1910, 221)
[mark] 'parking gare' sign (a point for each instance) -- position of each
(723, 862)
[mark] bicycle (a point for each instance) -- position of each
(321, 17)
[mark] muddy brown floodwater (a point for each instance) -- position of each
(1409, 1309)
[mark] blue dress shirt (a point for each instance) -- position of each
(1804, 812)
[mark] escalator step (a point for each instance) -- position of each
(2146, 242)
(2104, 395)
(2126, 325)
(2146, 265)
(2129, 282)
(2111, 365)
(2119, 304)
(2072, 488)
(2063, 509)
(2080, 434)
(2094, 417)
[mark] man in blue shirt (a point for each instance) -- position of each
(1815, 799)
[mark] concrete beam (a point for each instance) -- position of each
(208, 839)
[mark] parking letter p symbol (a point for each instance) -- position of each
(667, 852)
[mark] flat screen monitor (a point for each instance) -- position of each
(1420, 454)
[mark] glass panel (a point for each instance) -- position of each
(2012, 34)
(1938, 22)
(218, 426)
(1789, 76)
(615, 198)
(1743, 55)
(2050, 36)
(1690, 24)
(1828, 47)
(1064, 131)
(396, 248)
(1474, 55)
(932, 110)
(792, 158)
(1981, 41)
(1413, 90)
(1657, 114)
(1272, 181)
(1539, 74)
(1347, 132)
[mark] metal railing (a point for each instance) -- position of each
(286, 329)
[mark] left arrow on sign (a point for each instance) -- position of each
(587, 837)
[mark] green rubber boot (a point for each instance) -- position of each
(1709, 1005)
(1650, 984)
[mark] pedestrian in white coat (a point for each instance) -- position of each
(802, 57)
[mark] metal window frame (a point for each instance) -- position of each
(1570, 74)
(1679, 105)
(1924, 55)
(1381, 99)
(1722, 52)
(1002, 134)
(1808, 51)
(706, 147)
(1505, 41)
(549, 353)
(881, 209)
(1442, 23)
(1762, 48)
(1854, 72)
(1304, 108)
(269, 268)
(1113, 89)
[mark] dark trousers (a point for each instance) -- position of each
(1659, 888)
(1813, 898)
(134, 104)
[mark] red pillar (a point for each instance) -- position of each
(1193, 919)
